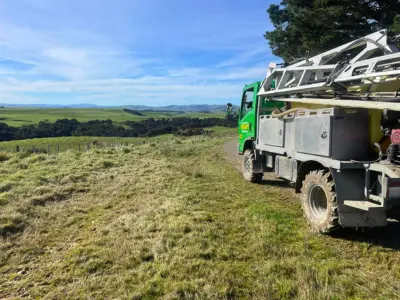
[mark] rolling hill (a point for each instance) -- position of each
(168, 108)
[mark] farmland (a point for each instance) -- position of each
(73, 142)
(173, 219)
(31, 116)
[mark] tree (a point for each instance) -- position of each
(6, 132)
(320, 25)
(396, 25)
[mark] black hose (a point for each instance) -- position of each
(377, 145)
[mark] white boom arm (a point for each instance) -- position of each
(362, 65)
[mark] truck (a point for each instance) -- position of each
(330, 126)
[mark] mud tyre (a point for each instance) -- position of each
(318, 199)
(249, 173)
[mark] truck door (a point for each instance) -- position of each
(247, 123)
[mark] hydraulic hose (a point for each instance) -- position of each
(276, 114)
(378, 146)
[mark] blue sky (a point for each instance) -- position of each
(121, 52)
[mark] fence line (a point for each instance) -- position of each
(82, 147)
(57, 148)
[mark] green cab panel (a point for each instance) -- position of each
(247, 115)
(247, 124)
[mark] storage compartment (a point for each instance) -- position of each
(339, 133)
(313, 134)
(272, 131)
(350, 137)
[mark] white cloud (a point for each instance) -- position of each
(133, 52)
(195, 83)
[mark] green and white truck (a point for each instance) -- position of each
(330, 126)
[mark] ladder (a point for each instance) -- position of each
(365, 69)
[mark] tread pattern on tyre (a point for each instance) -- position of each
(324, 180)
(250, 175)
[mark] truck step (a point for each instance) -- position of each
(363, 205)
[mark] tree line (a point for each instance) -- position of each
(315, 26)
(144, 128)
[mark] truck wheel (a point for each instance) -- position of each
(318, 198)
(247, 166)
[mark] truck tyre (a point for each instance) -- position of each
(318, 198)
(247, 166)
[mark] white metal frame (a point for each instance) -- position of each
(318, 74)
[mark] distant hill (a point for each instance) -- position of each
(80, 105)
(185, 108)
(169, 108)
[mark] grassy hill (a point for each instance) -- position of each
(31, 116)
(174, 220)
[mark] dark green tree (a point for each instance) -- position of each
(320, 25)
(396, 25)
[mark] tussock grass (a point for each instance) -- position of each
(172, 221)
(4, 156)
(5, 186)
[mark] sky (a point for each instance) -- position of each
(131, 52)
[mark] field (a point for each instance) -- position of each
(30, 116)
(73, 143)
(67, 143)
(174, 220)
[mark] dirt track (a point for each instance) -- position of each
(233, 156)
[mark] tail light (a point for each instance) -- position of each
(395, 136)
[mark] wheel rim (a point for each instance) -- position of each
(318, 202)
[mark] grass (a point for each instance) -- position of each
(30, 116)
(66, 143)
(223, 130)
(172, 220)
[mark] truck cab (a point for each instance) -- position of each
(249, 107)
(247, 115)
